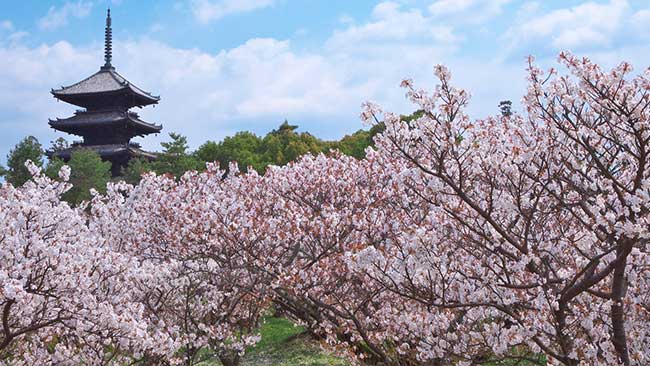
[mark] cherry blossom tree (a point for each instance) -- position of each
(535, 240)
(65, 297)
(326, 207)
(196, 229)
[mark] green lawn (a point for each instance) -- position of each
(284, 344)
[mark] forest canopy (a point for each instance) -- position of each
(278, 147)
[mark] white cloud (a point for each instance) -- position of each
(528, 10)
(206, 11)
(9, 34)
(442, 7)
(58, 17)
(17, 36)
(467, 11)
(640, 21)
(392, 24)
(6, 25)
(585, 25)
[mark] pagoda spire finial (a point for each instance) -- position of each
(108, 41)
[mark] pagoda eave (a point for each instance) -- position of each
(106, 84)
(84, 122)
(90, 100)
(107, 152)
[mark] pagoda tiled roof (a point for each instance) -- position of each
(105, 151)
(106, 80)
(103, 118)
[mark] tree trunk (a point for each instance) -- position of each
(229, 358)
(619, 288)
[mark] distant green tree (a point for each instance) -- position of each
(409, 117)
(271, 151)
(59, 144)
(355, 144)
(28, 149)
(132, 174)
(210, 150)
(175, 158)
(284, 145)
(278, 147)
(87, 171)
(243, 148)
(505, 106)
(53, 166)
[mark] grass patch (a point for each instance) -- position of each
(274, 332)
(285, 344)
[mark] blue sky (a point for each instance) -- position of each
(223, 66)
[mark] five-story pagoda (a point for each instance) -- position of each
(105, 123)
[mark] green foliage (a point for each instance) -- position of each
(175, 158)
(242, 148)
(55, 164)
(278, 147)
(284, 145)
(281, 146)
(355, 145)
(87, 171)
(177, 146)
(505, 106)
(53, 167)
(134, 170)
(59, 144)
(28, 149)
(411, 117)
